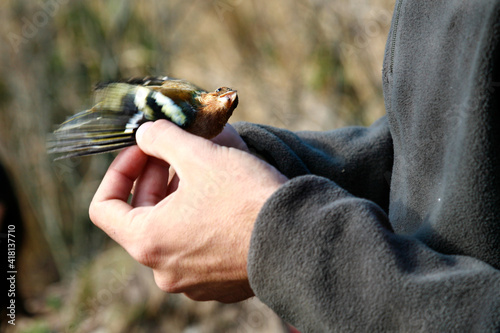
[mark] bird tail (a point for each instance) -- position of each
(90, 132)
(109, 125)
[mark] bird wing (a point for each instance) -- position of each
(120, 108)
(176, 89)
(109, 125)
(179, 90)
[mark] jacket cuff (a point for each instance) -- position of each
(281, 241)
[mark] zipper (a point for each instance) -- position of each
(394, 31)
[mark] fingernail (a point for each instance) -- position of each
(142, 129)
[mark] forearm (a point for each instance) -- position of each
(327, 261)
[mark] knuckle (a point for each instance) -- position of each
(167, 282)
(199, 296)
(145, 256)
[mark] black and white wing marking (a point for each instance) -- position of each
(111, 124)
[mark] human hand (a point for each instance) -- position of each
(194, 230)
(229, 137)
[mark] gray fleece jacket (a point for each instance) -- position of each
(395, 227)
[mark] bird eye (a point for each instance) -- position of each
(218, 90)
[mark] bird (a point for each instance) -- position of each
(122, 106)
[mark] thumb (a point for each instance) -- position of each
(166, 141)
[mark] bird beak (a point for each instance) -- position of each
(230, 94)
(229, 97)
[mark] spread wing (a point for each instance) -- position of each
(121, 107)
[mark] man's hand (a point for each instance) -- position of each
(192, 228)
(229, 137)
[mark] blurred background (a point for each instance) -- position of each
(301, 65)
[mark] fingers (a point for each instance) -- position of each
(229, 137)
(165, 140)
(173, 181)
(151, 187)
(109, 205)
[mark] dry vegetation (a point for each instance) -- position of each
(303, 65)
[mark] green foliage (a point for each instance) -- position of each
(37, 327)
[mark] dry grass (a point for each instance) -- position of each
(303, 65)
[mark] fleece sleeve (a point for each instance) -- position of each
(327, 261)
(359, 159)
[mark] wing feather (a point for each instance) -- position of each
(120, 108)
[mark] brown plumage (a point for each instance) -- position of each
(216, 109)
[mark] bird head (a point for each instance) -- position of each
(222, 99)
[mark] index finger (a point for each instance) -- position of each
(109, 205)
